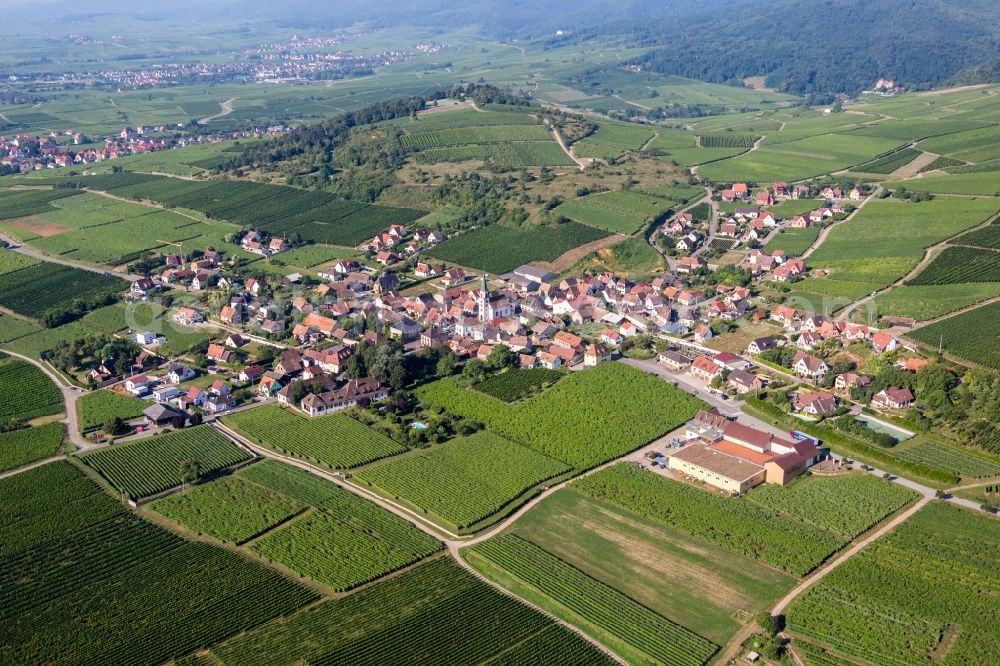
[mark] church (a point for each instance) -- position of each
(492, 307)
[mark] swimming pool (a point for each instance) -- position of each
(898, 434)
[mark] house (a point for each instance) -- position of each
(386, 258)
(567, 340)
(800, 222)
(195, 397)
(792, 464)
(186, 315)
(548, 360)
(702, 334)
(764, 198)
(610, 336)
(595, 354)
(424, 270)
(217, 404)
(705, 369)
(800, 191)
(140, 288)
(251, 373)
(761, 345)
(138, 385)
(159, 415)
(850, 380)
(178, 372)
(728, 229)
(912, 364)
(231, 314)
(217, 352)
(219, 387)
(433, 337)
(807, 365)
(166, 393)
(674, 360)
(809, 340)
(815, 403)
(893, 398)
(857, 193)
(269, 385)
(235, 340)
(744, 382)
(884, 342)
(356, 392)
(277, 245)
(147, 339)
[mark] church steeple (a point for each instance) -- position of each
(484, 300)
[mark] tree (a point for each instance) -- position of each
(190, 471)
(114, 426)
(445, 364)
(501, 358)
(768, 623)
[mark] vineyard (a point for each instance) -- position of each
(521, 153)
(585, 419)
(14, 261)
(738, 525)
(499, 248)
(19, 447)
(22, 203)
(890, 162)
(955, 265)
(459, 136)
(412, 618)
(941, 163)
(988, 237)
(727, 140)
(624, 212)
(36, 290)
(229, 509)
(846, 506)
(336, 441)
(149, 466)
(963, 335)
(466, 480)
(903, 598)
(96, 407)
(514, 385)
(343, 541)
(962, 463)
(26, 392)
(598, 604)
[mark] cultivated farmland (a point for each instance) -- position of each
(890, 162)
(920, 588)
(411, 618)
(21, 203)
(26, 392)
(336, 441)
(499, 248)
(597, 604)
(955, 265)
(148, 466)
(465, 480)
(949, 458)
(228, 509)
(95, 408)
(19, 447)
(37, 290)
(624, 212)
(963, 335)
(585, 419)
(516, 384)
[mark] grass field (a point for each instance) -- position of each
(148, 466)
(624, 212)
(411, 618)
(611, 140)
(336, 441)
(963, 336)
(500, 248)
(19, 447)
(683, 578)
(585, 419)
(793, 241)
(85, 581)
(919, 591)
(11, 261)
(974, 145)
(97, 407)
(466, 480)
(984, 183)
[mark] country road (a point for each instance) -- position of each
(227, 108)
(562, 144)
(826, 230)
(35, 254)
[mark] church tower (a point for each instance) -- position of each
(484, 301)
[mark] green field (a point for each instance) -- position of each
(887, 238)
(988, 237)
(499, 248)
(793, 241)
(466, 480)
(11, 261)
(890, 162)
(516, 384)
(411, 619)
(896, 601)
(26, 392)
(229, 509)
(19, 447)
(152, 465)
(985, 183)
(585, 419)
(95, 408)
(459, 136)
(963, 335)
(611, 140)
(624, 212)
(974, 145)
(336, 441)
(685, 579)
(85, 581)
(21, 203)
(957, 265)
(781, 538)
(598, 605)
